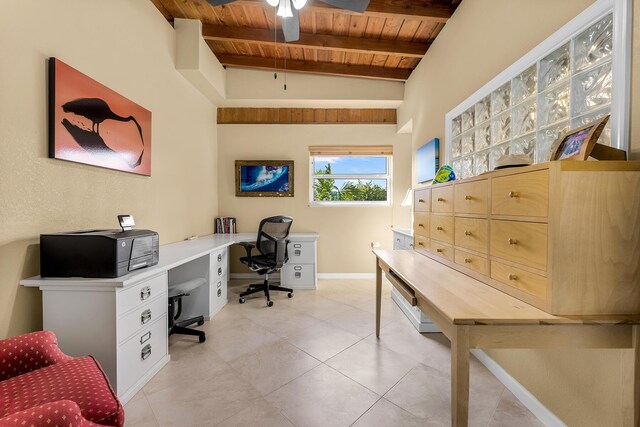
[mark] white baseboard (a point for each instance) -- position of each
(346, 276)
(541, 412)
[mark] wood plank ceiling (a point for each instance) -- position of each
(386, 42)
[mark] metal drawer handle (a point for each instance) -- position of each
(297, 245)
(513, 194)
(219, 293)
(219, 271)
(439, 228)
(421, 225)
(146, 352)
(468, 233)
(512, 241)
(467, 197)
(146, 337)
(440, 199)
(145, 293)
(420, 244)
(420, 201)
(440, 251)
(512, 277)
(219, 257)
(298, 275)
(297, 252)
(397, 240)
(145, 316)
(467, 260)
(219, 285)
(297, 268)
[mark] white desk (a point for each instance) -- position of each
(122, 322)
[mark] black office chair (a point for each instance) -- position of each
(272, 244)
(176, 292)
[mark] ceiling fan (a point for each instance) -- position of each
(288, 11)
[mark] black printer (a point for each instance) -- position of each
(97, 253)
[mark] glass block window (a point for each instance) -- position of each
(566, 88)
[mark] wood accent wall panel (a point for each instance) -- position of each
(310, 116)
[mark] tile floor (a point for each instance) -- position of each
(313, 360)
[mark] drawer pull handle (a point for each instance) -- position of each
(420, 244)
(145, 316)
(467, 260)
(297, 252)
(513, 194)
(219, 285)
(421, 225)
(397, 240)
(297, 268)
(219, 293)
(146, 337)
(420, 201)
(440, 251)
(512, 277)
(146, 352)
(297, 245)
(145, 293)
(467, 197)
(298, 275)
(219, 271)
(219, 257)
(440, 199)
(439, 228)
(468, 233)
(512, 241)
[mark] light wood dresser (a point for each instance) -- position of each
(561, 236)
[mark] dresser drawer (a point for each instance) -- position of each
(140, 294)
(141, 317)
(422, 200)
(530, 283)
(219, 258)
(472, 197)
(302, 252)
(521, 242)
(140, 353)
(472, 233)
(442, 228)
(398, 241)
(298, 275)
(420, 242)
(473, 262)
(421, 224)
(445, 251)
(442, 199)
(217, 294)
(525, 194)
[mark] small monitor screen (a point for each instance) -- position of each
(428, 160)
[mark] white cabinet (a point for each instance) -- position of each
(300, 272)
(402, 239)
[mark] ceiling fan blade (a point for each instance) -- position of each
(291, 26)
(219, 2)
(354, 5)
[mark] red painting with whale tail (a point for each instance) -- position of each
(90, 123)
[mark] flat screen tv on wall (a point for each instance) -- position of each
(428, 160)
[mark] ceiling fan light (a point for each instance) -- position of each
(273, 3)
(299, 4)
(284, 10)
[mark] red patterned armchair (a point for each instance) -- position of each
(41, 386)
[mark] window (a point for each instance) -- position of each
(350, 176)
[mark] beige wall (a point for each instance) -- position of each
(346, 233)
(128, 46)
(483, 38)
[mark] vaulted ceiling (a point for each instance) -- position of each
(385, 42)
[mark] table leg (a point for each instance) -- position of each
(460, 377)
(631, 382)
(378, 297)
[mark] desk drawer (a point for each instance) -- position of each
(525, 194)
(531, 283)
(140, 353)
(422, 200)
(472, 233)
(217, 293)
(442, 199)
(445, 251)
(420, 242)
(472, 197)
(298, 275)
(141, 317)
(403, 289)
(421, 224)
(302, 252)
(521, 242)
(219, 259)
(474, 262)
(140, 294)
(441, 228)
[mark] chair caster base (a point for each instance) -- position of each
(269, 303)
(241, 301)
(201, 322)
(290, 294)
(202, 339)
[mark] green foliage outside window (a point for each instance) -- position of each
(326, 189)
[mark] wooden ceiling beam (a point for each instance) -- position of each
(317, 41)
(316, 67)
(424, 10)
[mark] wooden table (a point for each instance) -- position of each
(474, 315)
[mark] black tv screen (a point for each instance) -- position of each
(428, 160)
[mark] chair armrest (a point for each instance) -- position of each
(60, 413)
(248, 247)
(28, 352)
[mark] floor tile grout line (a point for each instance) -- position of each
(155, 417)
(367, 410)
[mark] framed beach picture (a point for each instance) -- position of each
(92, 124)
(264, 178)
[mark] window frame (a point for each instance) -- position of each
(349, 203)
